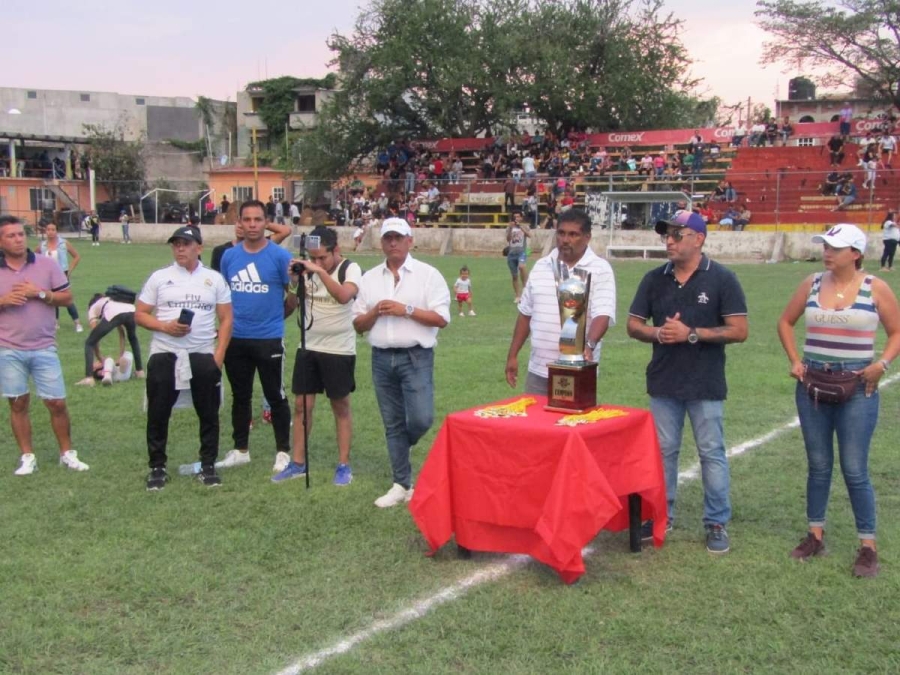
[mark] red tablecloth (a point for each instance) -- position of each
(528, 485)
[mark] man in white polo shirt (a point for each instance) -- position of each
(539, 310)
(187, 298)
(402, 303)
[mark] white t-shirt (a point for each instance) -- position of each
(332, 326)
(462, 285)
(528, 164)
(888, 142)
(539, 302)
(172, 289)
(890, 231)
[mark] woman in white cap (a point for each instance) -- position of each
(838, 374)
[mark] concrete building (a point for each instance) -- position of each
(48, 112)
(308, 101)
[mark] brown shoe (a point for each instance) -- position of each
(809, 547)
(866, 564)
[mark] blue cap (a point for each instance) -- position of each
(687, 219)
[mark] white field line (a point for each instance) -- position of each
(492, 572)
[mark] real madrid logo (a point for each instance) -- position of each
(208, 282)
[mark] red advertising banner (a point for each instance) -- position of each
(664, 137)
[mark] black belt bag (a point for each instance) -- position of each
(825, 386)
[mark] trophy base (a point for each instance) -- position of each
(571, 388)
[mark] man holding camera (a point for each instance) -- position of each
(257, 271)
(181, 304)
(327, 361)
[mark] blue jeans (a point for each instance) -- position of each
(709, 435)
(854, 423)
(43, 365)
(404, 387)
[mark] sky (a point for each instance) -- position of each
(213, 49)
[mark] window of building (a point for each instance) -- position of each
(306, 103)
(806, 119)
(140, 101)
(255, 104)
(835, 118)
(41, 199)
(241, 194)
(278, 194)
(32, 94)
(85, 98)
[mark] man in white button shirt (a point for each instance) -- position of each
(539, 310)
(402, 303)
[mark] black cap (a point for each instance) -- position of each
(188, 233)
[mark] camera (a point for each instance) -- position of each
(306, 242)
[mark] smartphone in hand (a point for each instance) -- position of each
(186, 317)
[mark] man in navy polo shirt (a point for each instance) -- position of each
(257, 272)
(696, 307)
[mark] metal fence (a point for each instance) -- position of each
(776, 197)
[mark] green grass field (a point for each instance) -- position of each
(98, 576)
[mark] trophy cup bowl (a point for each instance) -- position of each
(572, 379)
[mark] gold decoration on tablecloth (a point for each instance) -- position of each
(515, 408)
(590, 417)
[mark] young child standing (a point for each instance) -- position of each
(463, 289)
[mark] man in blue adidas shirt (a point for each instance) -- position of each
(257, 272)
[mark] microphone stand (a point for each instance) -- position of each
(301, 320)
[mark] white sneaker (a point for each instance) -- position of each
(282, 459)
(27, 465)
(471, 312)
(234, 458)
(86, 382)
(107, 379)
(461, 314)
(79, 328)
(70, 460)
(396, 495)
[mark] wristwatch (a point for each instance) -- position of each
(590, 344)
(693, 338)
(409, 310)
(42, 295)
(885, 364)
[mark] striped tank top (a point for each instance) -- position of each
(837, 335)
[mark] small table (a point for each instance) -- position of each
(529, 485)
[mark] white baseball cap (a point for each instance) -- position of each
(843, 235)
(397, 225)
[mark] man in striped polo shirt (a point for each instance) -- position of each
(539, 310)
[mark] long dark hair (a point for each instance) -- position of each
(889, 216)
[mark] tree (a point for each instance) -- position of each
(852, 40)
(462, 68)
(119, 164)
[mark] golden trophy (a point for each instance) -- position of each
(571, 379)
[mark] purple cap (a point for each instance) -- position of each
(687, 219)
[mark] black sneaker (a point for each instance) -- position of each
(647, 529)
(208, 476)
(717, 539)
(157, 478)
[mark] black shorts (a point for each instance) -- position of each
(315, 372)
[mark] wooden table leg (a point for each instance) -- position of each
(634, 522)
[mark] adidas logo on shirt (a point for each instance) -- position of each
(248, 281)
